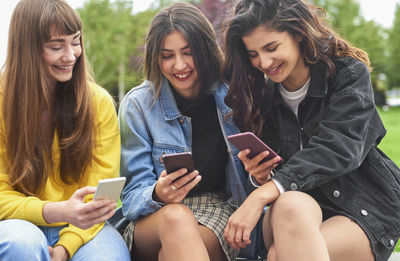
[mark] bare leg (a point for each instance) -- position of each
(171, 233)
(346, 240)
(212, 244)
(297, 219)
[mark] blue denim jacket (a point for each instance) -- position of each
(150, 129)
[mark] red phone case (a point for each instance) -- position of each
(247, 140)
(176, 161)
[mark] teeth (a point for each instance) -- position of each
(64, 67)
(181, 76)
(273, 69)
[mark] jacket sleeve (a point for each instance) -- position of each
(345, 134)
(136, 161)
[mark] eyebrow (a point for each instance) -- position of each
(167, 50)
(63, 40)
(265, 46)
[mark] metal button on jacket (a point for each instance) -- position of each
(391, 242)
(336, 193)
(293, 186)
(364, 212)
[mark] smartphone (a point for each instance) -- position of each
(247, 140)
(110, 188)
(176, 161)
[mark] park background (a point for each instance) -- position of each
(114, 33)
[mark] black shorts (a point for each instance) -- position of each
(381, 253)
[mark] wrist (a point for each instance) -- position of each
(265, 194)
(53, 211)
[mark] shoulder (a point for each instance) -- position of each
(99, 94)
(351, 67)
(143, 92)
(352, 77)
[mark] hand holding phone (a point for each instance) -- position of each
(176, 161)
(248, 140)
(110, 188)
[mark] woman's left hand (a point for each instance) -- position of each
(58, 253)
(241, 223)
(244, 219)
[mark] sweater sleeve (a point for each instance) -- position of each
(105, 165)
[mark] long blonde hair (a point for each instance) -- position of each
(25, 88)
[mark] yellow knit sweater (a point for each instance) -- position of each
(14, 205)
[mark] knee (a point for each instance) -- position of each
(177, 214)
(22, 240)
(294, 206)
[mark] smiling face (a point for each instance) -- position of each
(277, 54)
(60, 54)
(177, 65)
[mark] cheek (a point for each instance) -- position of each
(78, 52)
(255, 62)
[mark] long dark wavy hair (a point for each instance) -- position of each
(198, 32)
(320, 44)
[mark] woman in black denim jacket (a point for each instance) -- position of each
(307, 93)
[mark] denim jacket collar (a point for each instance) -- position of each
(170, 109)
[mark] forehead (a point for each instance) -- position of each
(261, 36)
(58, 33)
(174, 41)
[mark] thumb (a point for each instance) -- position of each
(82, 192)
(50, 251)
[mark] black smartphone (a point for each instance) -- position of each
(176, 161)
(247, 140)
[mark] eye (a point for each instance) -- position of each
(188, 53)
(166, 56)
(76, 44)
(272, 49)
(253, 55)
(55, 48)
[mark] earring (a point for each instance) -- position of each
(266, 78)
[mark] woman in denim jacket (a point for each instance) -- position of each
(307, 93)
(180, 215)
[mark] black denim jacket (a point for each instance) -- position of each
(332, 147)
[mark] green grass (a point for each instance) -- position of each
(391, 142)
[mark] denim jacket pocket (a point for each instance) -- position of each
(159, 150)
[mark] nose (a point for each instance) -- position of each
(180, 63)
(265, 61)
(69, 55)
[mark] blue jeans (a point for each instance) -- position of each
(22, 240)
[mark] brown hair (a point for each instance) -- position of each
(320, 44)
(198, 32)
(26, 94)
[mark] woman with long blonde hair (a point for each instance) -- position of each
(58, 137)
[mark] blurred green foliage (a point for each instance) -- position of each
(115, 35)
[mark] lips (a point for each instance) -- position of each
(65, 68)
(274, 70)
(182, 76)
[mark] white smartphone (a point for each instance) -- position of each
(110, 188)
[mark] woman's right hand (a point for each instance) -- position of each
(78, 213)
(261, 172)
(173, 187)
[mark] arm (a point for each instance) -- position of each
(136, 161)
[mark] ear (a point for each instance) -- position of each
(298, 38)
